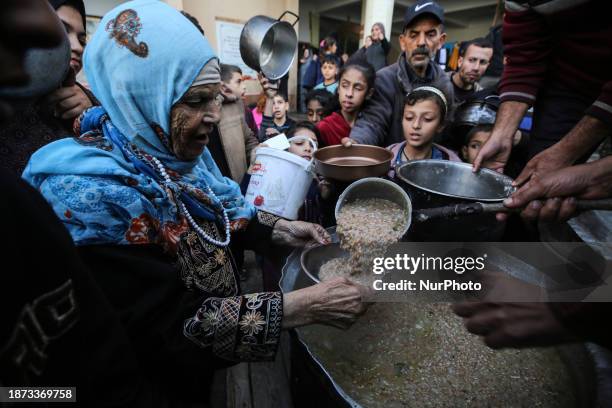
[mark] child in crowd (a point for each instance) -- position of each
(259, 109)
(474, 140)
(329, 70)
(278, 122)
(425, 110)
(356, 86)
(316, 102)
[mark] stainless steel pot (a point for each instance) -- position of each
(440, 183)
(268, 45)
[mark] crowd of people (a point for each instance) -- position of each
(126, 200)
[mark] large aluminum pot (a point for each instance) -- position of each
(268, 45)
(438, 183)
(37, 64)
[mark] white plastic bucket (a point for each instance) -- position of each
(279, 182)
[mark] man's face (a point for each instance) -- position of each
(474, 63)
(192, 120)
(24, 24)
(234, 89)
(421, 40)
(73, 23)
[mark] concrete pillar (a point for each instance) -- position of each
(314, 29)
(375, 11)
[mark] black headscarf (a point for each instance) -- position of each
(78, 5)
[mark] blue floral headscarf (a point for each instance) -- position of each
(142, 59)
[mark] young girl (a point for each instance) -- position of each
(425, 110)
(356, 86)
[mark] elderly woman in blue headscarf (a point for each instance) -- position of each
(152, 215)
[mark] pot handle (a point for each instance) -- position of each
(297, 18)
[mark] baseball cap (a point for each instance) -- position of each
(423, 7)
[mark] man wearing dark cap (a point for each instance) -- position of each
(380, 123)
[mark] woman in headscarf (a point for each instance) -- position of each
(43, 120)
(152, 215)
(376, 48)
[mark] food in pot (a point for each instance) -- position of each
(366, 228)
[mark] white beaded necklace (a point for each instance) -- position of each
(194, 225)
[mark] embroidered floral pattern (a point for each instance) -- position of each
(124, 29)
(205, 266)
(161, 135)
(238, 225)
(267, 219)
(142, 230)
(252, 323)
(171, 234)
(244, 328)
(95, 138)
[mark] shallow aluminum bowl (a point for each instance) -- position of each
(313, 258)
(352, 163)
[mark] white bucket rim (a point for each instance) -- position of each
(283, 154)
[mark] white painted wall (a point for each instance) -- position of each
(101, 7)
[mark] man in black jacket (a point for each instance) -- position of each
(380, 123)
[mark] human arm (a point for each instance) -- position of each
(583, 137)
(266, 129)
(495, 152)
(553, 195)
(375, 119)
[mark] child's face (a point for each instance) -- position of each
(421, 123)
(329, 71)
(302, 147)
(279, 107)
(234, 88)
(314, 110)
(352, 90)
(470, 151)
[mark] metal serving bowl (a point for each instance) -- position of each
(352, 163)
(373, 187)
(439, 183)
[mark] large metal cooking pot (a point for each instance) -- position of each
(352, 163)
(333, 352)
(439, 183)
(472, 113)
(268, 45)
(42, 79)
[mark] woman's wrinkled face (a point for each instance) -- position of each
(192, 120)
(301, 146)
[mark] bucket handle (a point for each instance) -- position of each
(297, 18)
